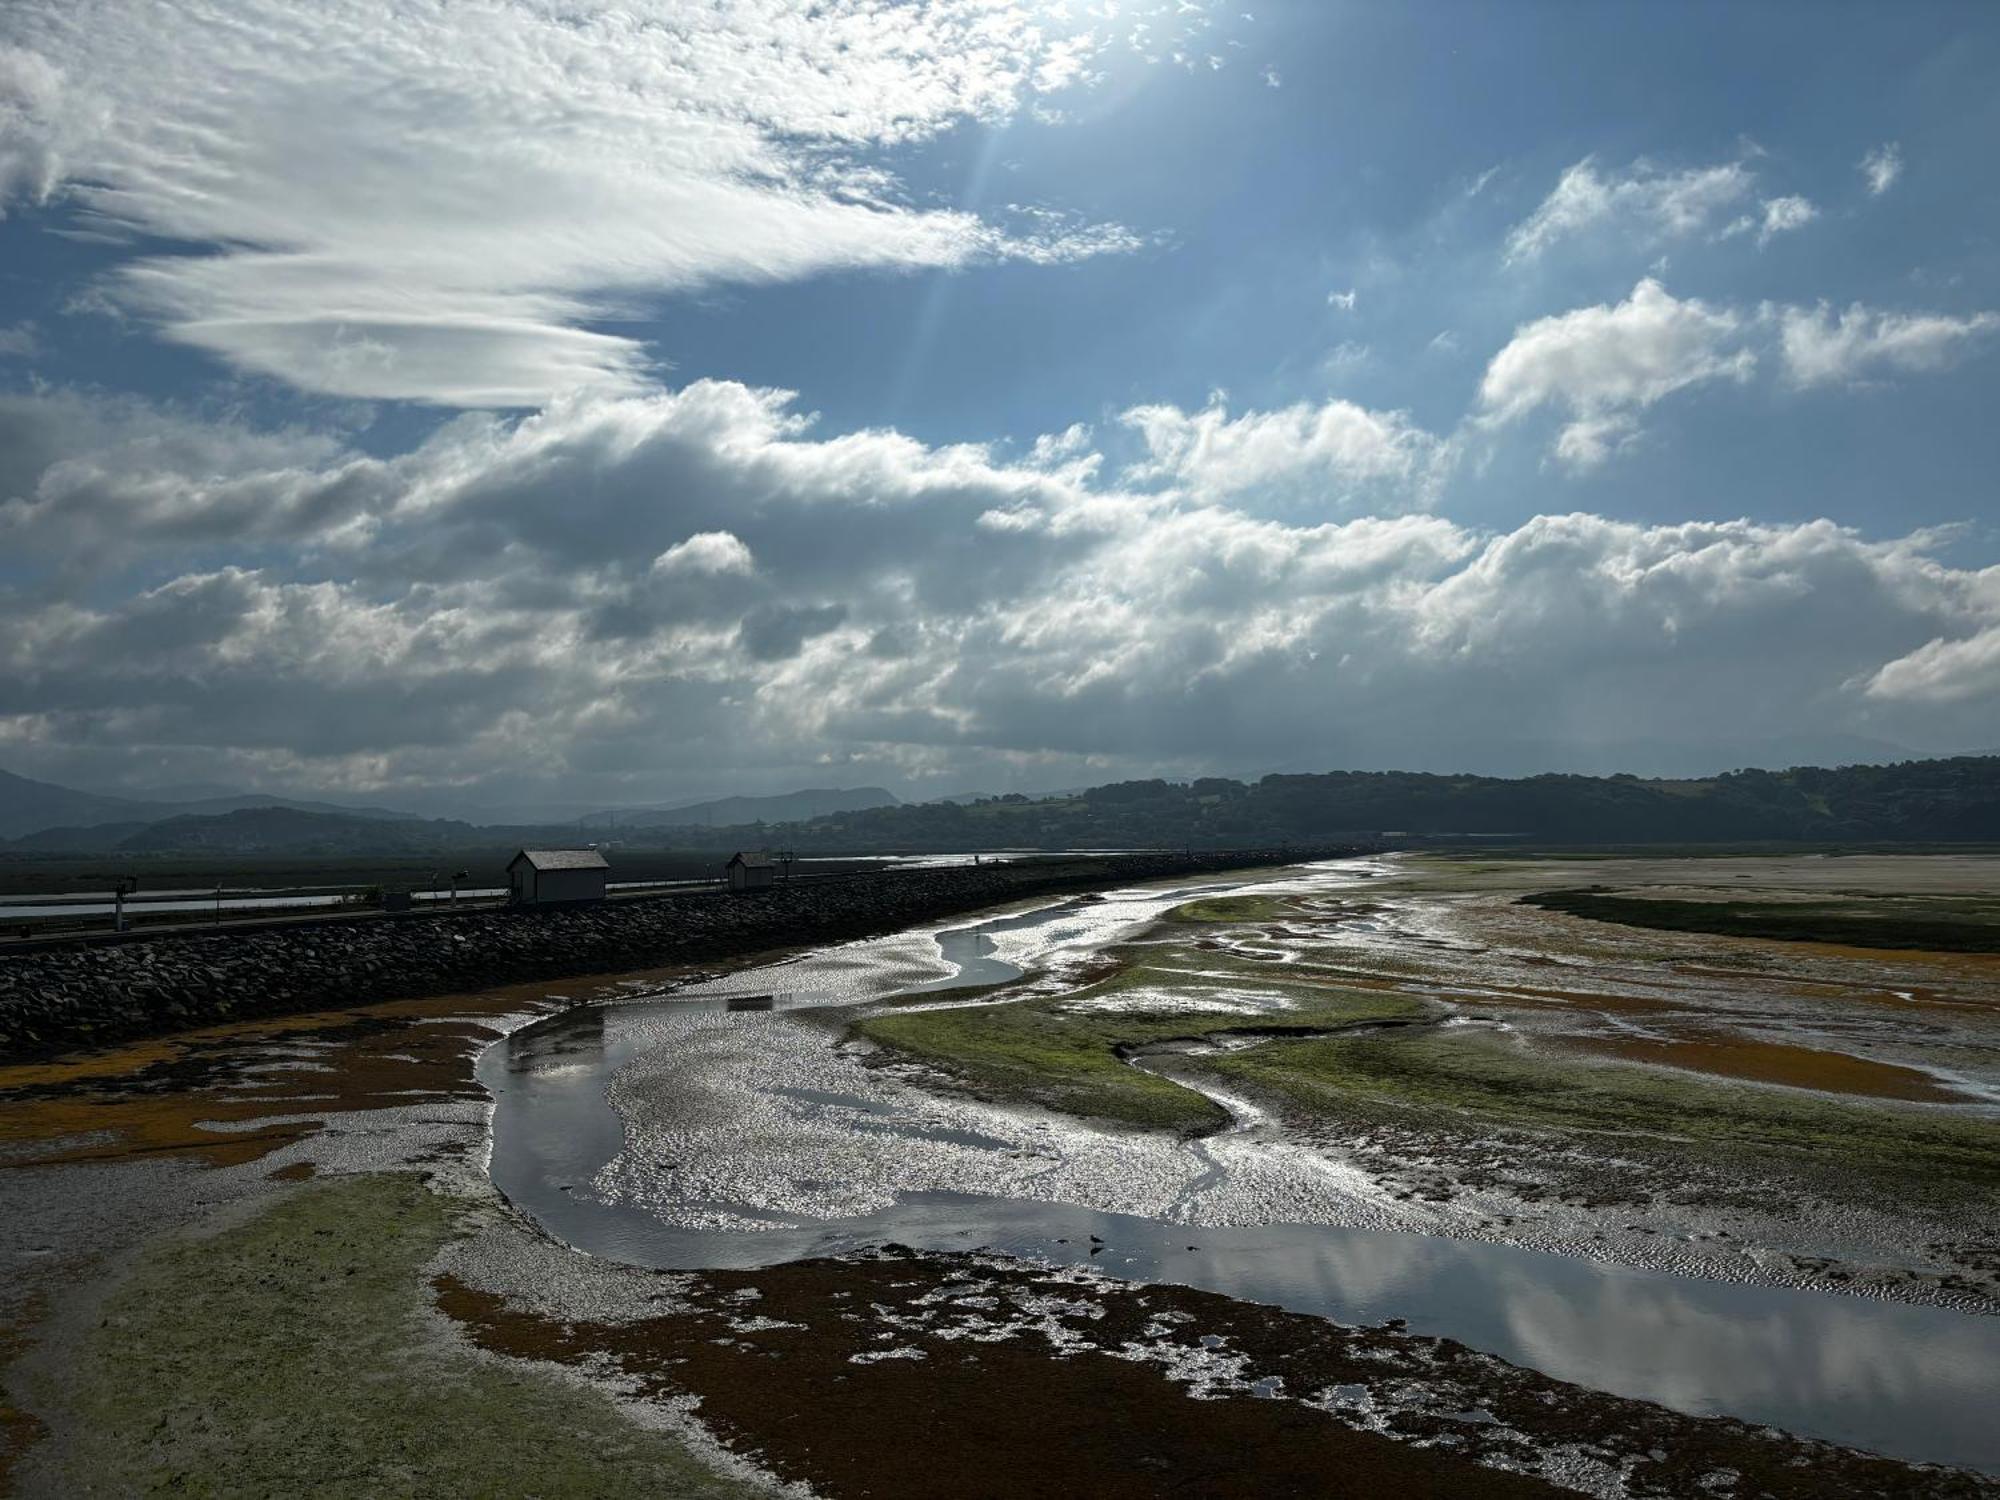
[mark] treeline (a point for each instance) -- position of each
(1925, 801)
(1929, 801)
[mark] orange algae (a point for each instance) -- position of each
(168, 1097)
(1779, 1063)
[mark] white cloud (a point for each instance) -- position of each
(866, 602)
(1589, 441)
(1943, 671)
(1602, 363)
(1821, 348)
(1342, 300)
(709, 552)
(1331, 452)
(1777, 216)
(1783, 215)
(439, 212)
(20, 341)
(1881, 167)
(1650, 201)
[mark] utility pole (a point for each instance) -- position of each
(456, 877)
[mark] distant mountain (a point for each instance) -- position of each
(206, 806)
(785, 807)
(97, 838)
(288, 830)
(26, 806)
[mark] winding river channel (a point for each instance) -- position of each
(729, 1126)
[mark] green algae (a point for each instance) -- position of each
(289, 1355)
(1473, 1083)
(1063, 1052)
(1214, 909)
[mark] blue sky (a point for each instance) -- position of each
(390, 392)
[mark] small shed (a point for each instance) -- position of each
(551, 877)
(749, 871)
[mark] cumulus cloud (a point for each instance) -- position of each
(607, 589)
(1821, 347)
(436, 203)
(1604, 363)
(94, 480)
(1943, 671)
(706, 552)
(1335, 451)
(1881, 167)
(1647, 200)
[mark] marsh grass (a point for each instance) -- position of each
(1061, 1052)
(288, 1356)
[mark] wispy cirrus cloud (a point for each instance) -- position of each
(1881, 167)
(1775, 216)
(1651, 201)
(442, 203)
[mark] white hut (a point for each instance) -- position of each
(552, 877)
(749, 871)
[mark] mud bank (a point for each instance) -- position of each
(51, 1002)
(1022, 1379)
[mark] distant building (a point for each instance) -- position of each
(553, 877)
(751, 872)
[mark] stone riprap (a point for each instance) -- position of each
(83, 996)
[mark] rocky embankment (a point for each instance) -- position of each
(88, 996)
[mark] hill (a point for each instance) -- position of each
(27, 805)
(1925, 801)
(1946, 801)
(291, 831)
(726, 812)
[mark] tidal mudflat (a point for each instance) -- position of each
(1365, 1173)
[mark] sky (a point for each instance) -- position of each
(472, 404)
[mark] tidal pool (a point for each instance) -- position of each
(717, 1130)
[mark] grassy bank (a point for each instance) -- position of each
(1062, 1052)
(285, 1357)
(1476, 1084)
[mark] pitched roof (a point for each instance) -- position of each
(561, 859)
(756, 859)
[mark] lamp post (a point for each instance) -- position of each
(125, 886)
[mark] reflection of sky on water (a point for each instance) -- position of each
(746, 1140)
